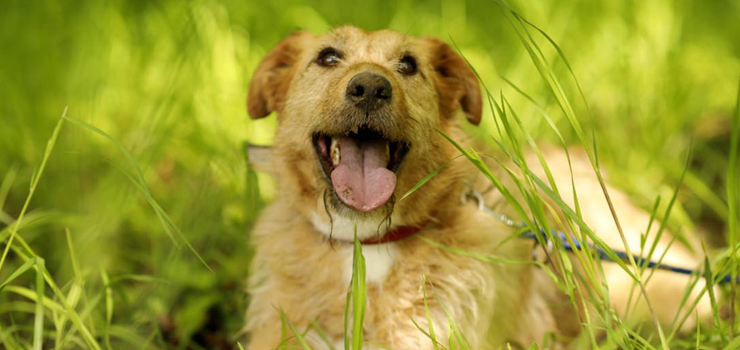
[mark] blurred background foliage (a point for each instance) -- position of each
(169, 80)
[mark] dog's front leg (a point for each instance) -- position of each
(405, 328)
(266, 337)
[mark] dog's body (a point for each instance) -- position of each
(359, 114)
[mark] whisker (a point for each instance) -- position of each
(326, 196)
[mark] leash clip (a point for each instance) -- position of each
(474, 195)
(478, 197)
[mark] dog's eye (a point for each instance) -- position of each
(328, 57)
(407, 66)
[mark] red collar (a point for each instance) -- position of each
(394, 235)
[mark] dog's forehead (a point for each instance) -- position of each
(377, 45)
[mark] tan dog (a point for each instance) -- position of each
(358, 117)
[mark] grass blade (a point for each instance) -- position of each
(359, 294)
(428, 312)
(19, 271)
(140, 182)
(298, 335)
(427, 178)
(38, 322)
(108, 305)
(34, 182)
(322, 334)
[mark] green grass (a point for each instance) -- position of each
(123, 223)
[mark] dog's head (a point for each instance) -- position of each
(358, 115)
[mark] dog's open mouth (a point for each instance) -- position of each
(361, 166)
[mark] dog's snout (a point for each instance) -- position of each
(369, 90)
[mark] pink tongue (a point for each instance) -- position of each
(361, 180)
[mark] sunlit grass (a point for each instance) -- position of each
(113, 245)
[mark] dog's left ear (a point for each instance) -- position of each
(271, 80)
(457, 84)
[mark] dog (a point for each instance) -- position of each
(361, 121)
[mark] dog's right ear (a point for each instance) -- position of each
(272, 78)
(457, 84)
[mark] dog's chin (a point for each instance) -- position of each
(336, 207)
(337, 221)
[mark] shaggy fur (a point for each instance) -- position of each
(300, 270)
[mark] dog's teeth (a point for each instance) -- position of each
(334, 151)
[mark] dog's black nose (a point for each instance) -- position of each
(369, 91)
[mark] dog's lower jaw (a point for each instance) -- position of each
(333, 224)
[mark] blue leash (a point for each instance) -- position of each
(623, 256)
